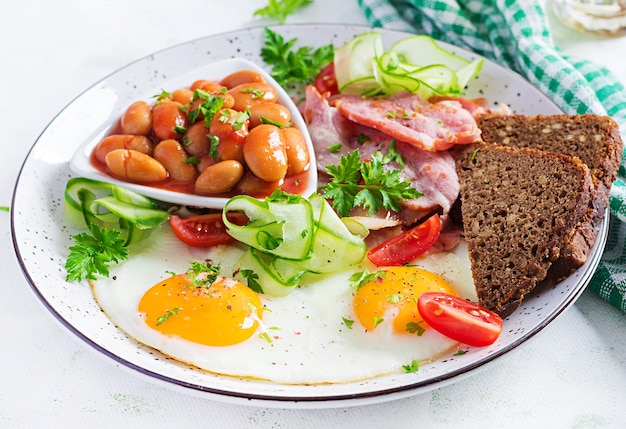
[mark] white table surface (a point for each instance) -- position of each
(572, 375)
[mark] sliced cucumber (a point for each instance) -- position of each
(416, 64)
(355, 67)
(326, 246)
(90, 202)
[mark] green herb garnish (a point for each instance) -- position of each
(192, 160)
(393, 155)
(394, 298)
(92, 253)
(252, 279)
(355, 183)
(334, 148)
(255, 92)
(214, 142)
(203, 274)
(234, 118)
(266, 337)
(167, 315)
(378, 321)
(290, 65)
(210, 105)
(163, 95)
(415, 328)
(348, 322)
(265, 120)
(474, 154)
(359, 279)
(362, 138)
(281, 9)
(413, 367)
(114, 217)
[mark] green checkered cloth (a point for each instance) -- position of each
(516, 34)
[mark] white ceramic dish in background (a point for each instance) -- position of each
(81, 165)
(41, 238)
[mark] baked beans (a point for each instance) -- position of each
(216, 137)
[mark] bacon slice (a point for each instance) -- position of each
(476, 106)
(327, 127)
(411, 119)
(432, 173)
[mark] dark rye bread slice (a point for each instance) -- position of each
(594, 139)
(517, 205)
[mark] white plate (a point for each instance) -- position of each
(214, 70)
(41, 239)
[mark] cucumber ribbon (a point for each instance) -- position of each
(416, 64)
(90, 202)
(290, 236)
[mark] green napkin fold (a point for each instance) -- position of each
(516, 34)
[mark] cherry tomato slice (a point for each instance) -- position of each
(205, 230)
(458, 319)
(407, 246)
(326, 80)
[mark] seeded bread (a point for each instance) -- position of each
(517, 205)
(594, 139)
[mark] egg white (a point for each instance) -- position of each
(310, 343)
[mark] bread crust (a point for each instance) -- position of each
(518, 206)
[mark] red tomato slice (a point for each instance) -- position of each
(326, 80)
(458, 319)
(407, 246)
(204, 230)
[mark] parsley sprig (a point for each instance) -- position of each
(290, 65)
(203, 274)
(355, 183)
(281, 9)
(115, 217)
(363, 277)
(253, 280)
(209, 106)
(92, 253)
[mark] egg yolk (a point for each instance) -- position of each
(392, 298)
(225, 313)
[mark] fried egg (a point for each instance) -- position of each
(325, 331)
(223, 314)
(391, 298)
